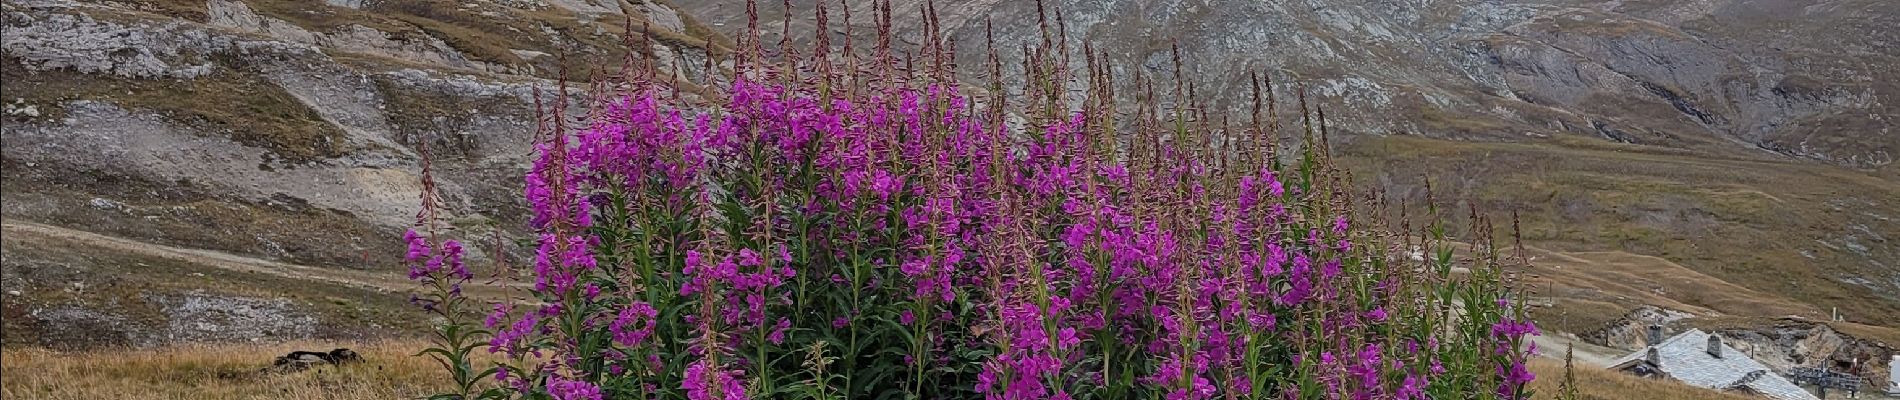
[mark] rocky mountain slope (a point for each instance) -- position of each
(1717, 157)
(1751, 141)
(1803, 79)
(281, 130)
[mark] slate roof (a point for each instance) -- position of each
(1685, 358)
(1893, 375)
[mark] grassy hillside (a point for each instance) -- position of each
(1786, 232)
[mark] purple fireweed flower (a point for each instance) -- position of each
(749, 258)
(510, 340)
(496, 317)
(452, 252)
(1027, 358)
(1367, 369)
(429, 263)
(778, 332)
(703, 275)
(1515, 376)
(418, 246)
(701, 381)
(560, 261)
(1412, 388)
(1509, 328)
(563, 389)
(634, 324)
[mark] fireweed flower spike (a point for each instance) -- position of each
(933, 240)
(563, 389)
(438, 267)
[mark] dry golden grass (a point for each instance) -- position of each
(390, 371)
(1600, 384)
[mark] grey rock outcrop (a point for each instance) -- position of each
(176, 125)
(200, 317)
(1793, 343)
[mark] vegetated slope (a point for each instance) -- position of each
(1788, 232)
(290, 131)
(1751, 141)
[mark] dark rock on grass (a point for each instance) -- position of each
(298, 361)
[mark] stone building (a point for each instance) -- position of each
(1701, 359)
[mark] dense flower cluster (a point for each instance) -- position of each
(942, 248)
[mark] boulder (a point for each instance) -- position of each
(297, 361)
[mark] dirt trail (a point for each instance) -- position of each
(1551, 345)
(376, 281)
